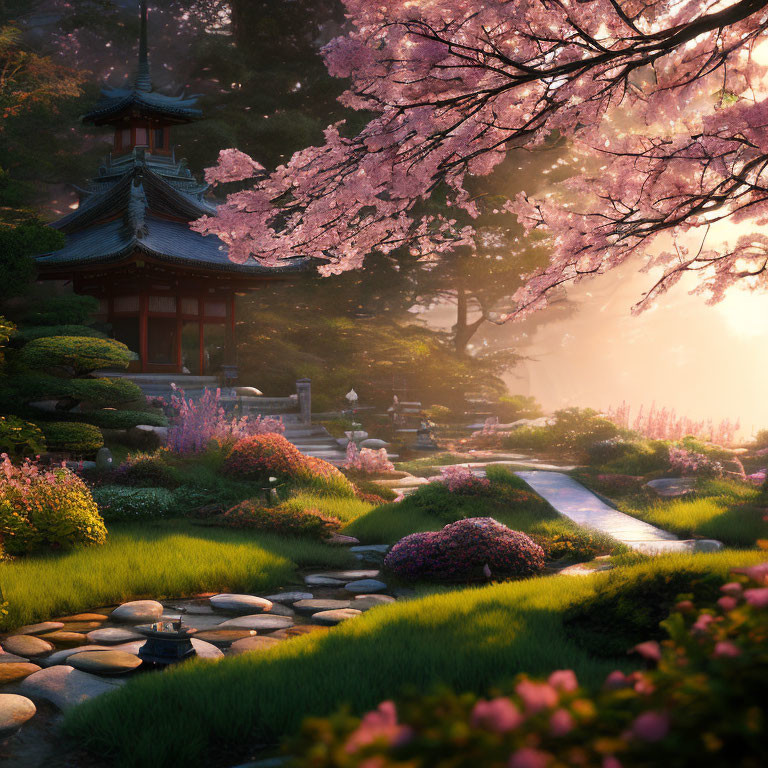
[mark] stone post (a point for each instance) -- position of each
(304, 392)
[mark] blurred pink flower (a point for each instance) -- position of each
(727, 603)
(758, 573)
(727, 649)
(380, 724)
(731, 588)
(561, 722)
(500, 715)
(564, 680)
(702, 622)
(617, 679)
(650, 650)
(611, 762)
(536, 696)
(758, 598)
(650, 726)
(528, 758)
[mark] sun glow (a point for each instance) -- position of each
(745, 313)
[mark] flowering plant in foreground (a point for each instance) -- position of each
(691, 463)
(467, 550)
(199, 422)
(367, 460)
(701, 702)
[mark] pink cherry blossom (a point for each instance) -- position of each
(380, 724)
(564, 680)
(758, 598)
(727, 603)
(500, 715)
(536, 696)
(528, 758)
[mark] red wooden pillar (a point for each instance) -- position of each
(144, 331)
(201, 312)
(179, 327)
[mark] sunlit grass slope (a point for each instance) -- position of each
(470, 639)
(162, 559)
(721, 510)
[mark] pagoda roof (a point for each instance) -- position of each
(119, 102)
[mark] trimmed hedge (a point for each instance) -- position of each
(145, 469)
(42, 331)
(116, 502)
(67, 310)
(125, 419)
(100, 392)
(81, 354)
(72, 436)
(19, 438)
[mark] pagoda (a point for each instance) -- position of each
(166, 291)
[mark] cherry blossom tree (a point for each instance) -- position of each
(661, 104)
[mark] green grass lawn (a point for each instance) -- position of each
(468, 639)
(341, 508)
(170, 558)
(721, 509)
(425, 466)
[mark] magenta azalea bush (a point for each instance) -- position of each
(701, 702)
(199, 422)
(467, 550)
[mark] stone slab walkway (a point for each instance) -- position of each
(571, 499)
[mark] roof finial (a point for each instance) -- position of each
(143, 80)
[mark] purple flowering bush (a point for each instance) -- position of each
(699, 702)
(467, 550)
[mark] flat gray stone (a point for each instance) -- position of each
(11, 658)
(60, 657)
(341, 540)
(65, 686)
(672, 487)
(371, 548)
(280, 610)
(259, 623)
(315, 580)
(308, 607)
(253, 644)
(64, 639)
(26, 645)
(104, 662)
(289, 597)
(331, 618)
(222, 638)
(138, 612)
(351, 575)
(686, 546)
(36, 629)
(11, 673)
(364, 602)
(206, 650)
(249, 604)
(112, 635)
(14, 712)
(365, 585)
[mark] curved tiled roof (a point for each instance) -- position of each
(117, 101)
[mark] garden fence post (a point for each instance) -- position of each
(304, 392)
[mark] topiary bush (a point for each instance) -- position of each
(464, 551)
(102, 393)
(284, 519)
(19, 438)
(42, 509)
(113, 419)
(116, 502)
(38, 332)
(145, 469)
(72, 437)
(260, 457)
(81, 355)
(64, 310)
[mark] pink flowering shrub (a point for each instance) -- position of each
(467, 550)
(700, 701)
(691, 463)
(459, 479)
(665, 424)
(367, 460)
(197, 423)
(45, 508)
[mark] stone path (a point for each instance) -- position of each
(571, 499)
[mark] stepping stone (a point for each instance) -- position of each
(371, 548)
(14, 712)
(110, 635)
(316, 580)
(365, 585)
(259, 622)
(34, 629)
(206, 650)
(685, 546)
(240, 603)
(341, 540)
(280, 610)
(66, 686)
(308, 607)
(251, 644)
(26, 645)
(222, 638)
(84, 617)
(60, 657)
(11, 658)
(289, 597)
(65, 639)
(365, 602)
(297, 631)
(81, 626)
(331, 618)
(105, 662)
(672, 487)
(10, 673)
(138, 612)
(350, 575)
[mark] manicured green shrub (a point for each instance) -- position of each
(81, 355)
(282, 519)
(574, 429)
(531, 438)
(19, 438)
(72, 436)
(468, 550)
(701, 702)
(116, 502)
(640, 457)
(513, 407)
(42, 509)
(440, 414)
(63, 310)
(145, 469)
(103, 393)
(40, 331)
(113, 419)
(367, 489)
